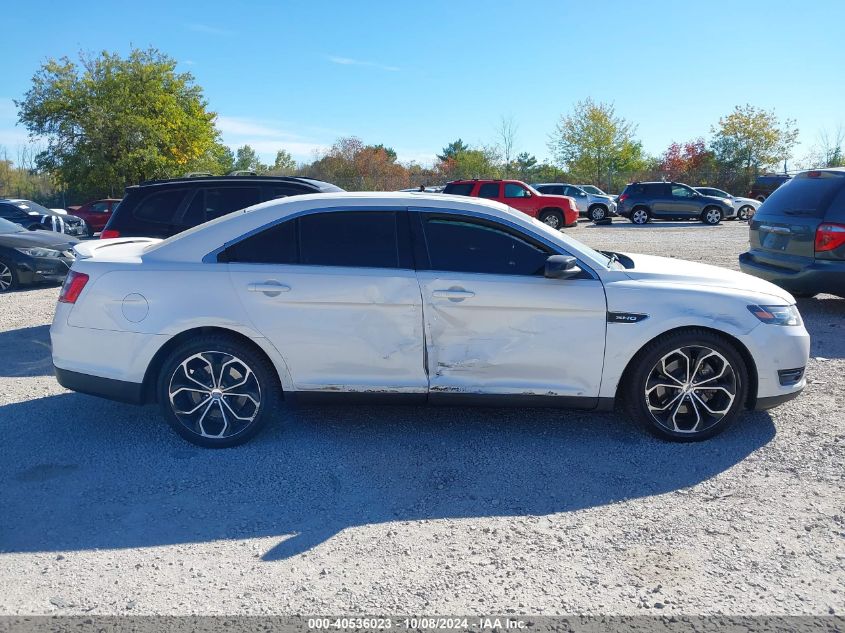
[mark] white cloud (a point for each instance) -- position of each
(267, 137)
(348, 61)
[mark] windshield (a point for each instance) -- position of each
(592, 189)
(10, 227)
(33, 206)
(571, 244)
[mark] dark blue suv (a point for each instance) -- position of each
(797, 236)
(645, 201)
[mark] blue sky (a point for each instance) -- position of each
(417, 75)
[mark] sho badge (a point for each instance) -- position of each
(625, 317)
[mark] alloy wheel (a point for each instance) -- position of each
(691, 389)
(552, 220)
(214, 394)
(639, 216)
(6, 278)
(713, 216)
(743, 213)
(597, 213)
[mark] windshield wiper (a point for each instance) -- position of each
(611, 258)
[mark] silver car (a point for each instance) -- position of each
(590, 205)
(743, 208)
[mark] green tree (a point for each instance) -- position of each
(452, 149)
(389, 152)
(592, 143)
(247, 159)
(523, 166)
(111, 121)
(751, 139)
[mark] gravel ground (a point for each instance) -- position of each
(413, 510)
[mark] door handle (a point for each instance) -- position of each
(455, 294)
(270, 288)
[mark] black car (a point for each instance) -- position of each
(644, 201)
(161, 208)
(764, 186)
(797, 236)
(32, 215)
(28, 257)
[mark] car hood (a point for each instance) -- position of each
(667, 270)
(746, 200)
(46, 239)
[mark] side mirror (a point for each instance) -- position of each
(561, 267)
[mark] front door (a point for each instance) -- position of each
(683, 202)
(517, 196)
(494, 324)
(336, 294)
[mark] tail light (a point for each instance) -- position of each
(829, 236)
(623, 197)
(109, 233)
(74, 283)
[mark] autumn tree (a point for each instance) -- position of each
(690, 161)
(592, 143)
(111, 121)
(751, 139)
(357, 167)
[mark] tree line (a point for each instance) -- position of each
(110, 121)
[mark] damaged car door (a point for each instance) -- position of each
(495, 324)
(336, 293)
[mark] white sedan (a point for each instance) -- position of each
(744, 207)
(416, 298)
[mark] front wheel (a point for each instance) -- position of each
(598, 213)
(711, 216)
(745, 212)
(553, 218)
(217, 392)
(686, 386)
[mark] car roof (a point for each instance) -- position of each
(319, 184)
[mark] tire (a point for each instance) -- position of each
(711, 216)
(192, 391)
(8, 277)
(660, 394)
(597, 213)
(640, 215)
(552, 218)
(745, 212)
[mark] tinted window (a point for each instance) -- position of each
(276, 245)
(489, 190)
(654, 189)
(100, 207)
(12, 211)
(515, 191)
(461, 245)
(345, 238)
(679, 191)
(223, 200)
(804, 195)
(161, 206)
(458, 188)
(551, 189)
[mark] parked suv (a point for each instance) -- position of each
(33, 216)
(161, 208)
(590, 205)
(643, 201)
(556, 211)
(798, 236)
(764, 186)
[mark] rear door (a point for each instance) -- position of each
(659, 199)
(783, 230)
(335, 292)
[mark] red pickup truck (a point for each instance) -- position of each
(556, 211)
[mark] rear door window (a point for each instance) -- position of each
(362, 239)
(276, 245)
(161, 206)
(805, 195)
(210, 203)
(489, 190)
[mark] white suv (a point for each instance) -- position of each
(417, 298)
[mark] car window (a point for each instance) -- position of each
(489, 190)
(100, 207)
(679, 191)
(459, 188)
(276, 245)
(349, 238)
(465, 245)
(160, 206)
(807, 195)
(513, 190)
(222, 200)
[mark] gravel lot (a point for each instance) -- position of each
(103, 510)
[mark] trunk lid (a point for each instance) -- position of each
(119, 249)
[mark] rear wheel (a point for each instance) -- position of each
(745, 212)
(217, 392)
(711, 216)
(553, 218)
(598, 213)
(8, 277)
(686, 386)
(640, 215)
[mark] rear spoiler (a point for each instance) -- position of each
(90, 248)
